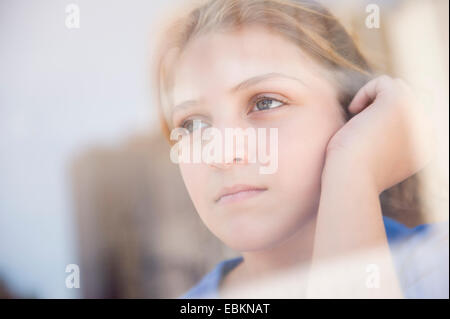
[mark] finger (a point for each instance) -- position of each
(368, 93)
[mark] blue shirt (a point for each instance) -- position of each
(421, 259)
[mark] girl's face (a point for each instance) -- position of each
(303, 107)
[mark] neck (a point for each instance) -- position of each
(295, 252)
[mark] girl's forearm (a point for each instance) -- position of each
(351, 256)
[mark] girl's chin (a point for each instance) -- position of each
(256, 243)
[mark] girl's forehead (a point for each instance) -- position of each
(219, 61)
(218, 51)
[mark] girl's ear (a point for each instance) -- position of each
(357, 100)
(347, 114)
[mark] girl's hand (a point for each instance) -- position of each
(389, 138)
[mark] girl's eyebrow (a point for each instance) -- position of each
(263, 77)
(241, 86)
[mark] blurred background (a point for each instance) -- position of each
(85, 175)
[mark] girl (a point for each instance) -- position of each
(344, 137)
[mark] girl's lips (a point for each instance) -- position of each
(238, 193)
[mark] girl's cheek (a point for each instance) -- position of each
(303, 137)
(188, 173)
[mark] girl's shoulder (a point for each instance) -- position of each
(208, 286)
(421, 257)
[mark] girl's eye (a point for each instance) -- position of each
(266, 103)
(192, 125)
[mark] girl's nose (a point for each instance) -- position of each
(227, 164)
(234, 151)
(235, 138)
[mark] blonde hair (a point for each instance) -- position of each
(304, 22)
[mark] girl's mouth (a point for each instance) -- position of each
(237, 193)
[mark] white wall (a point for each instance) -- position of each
(61, 90)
